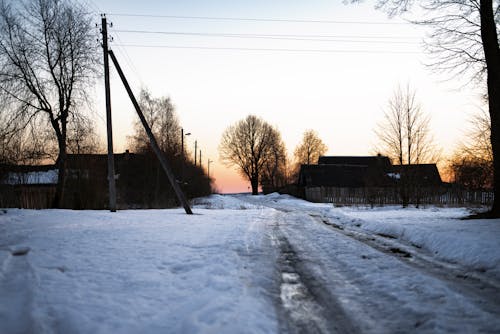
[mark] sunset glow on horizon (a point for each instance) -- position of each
(317, 65)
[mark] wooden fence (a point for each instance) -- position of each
(27, 197)
(441, 196)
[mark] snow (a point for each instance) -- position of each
(47, 177)
(241, 264)
(441, 231)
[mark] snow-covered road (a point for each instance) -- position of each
(244, 264)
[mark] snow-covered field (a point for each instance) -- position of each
(243, 264)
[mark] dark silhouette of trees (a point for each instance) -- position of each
(472, 163)
(274, 171)
(162, 118)
(146, 182)
(82, 136)
(310, 149)
(251, 145)
(48, 57)
(405, 138)
(23, 147)
(464, 40)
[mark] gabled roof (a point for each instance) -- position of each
(379, 160)
(425, 174)
(332, 175)
(346, 171)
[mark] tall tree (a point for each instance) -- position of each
(274, 174)
(162, 118)
(405, 138)
(249, 145)
(48, 57)
(404, 132)
(465, 41)
(310, 149)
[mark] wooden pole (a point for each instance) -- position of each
(195, 151)
(111, 160)
(152, 139)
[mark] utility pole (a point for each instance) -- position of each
(152, 139)
(195, 151)
(182, 142)
(111, 160)
(200, 159)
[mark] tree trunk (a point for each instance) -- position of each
(61, 177)
(492, 56)
(254, 181)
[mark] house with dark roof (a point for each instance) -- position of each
(140, 182)
(347, 172)
(424, 175)
(366, 180)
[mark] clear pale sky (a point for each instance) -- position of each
(341, 93)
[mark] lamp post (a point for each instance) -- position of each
(182, 141)
(208, 167)
(195, 151)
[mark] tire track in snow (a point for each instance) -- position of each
(307, 305)
(483, 291)
(16, 277)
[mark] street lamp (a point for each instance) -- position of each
(195, 153)
(208, 167)
(182, 141)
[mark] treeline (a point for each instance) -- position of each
(404, 135)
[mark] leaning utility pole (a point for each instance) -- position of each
(111, 161)
(152, 139)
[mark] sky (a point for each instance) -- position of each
(318, 64)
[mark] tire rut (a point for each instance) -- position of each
(480, 289)
(307, 305)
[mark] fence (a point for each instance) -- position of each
(441, 196)
(27, 197)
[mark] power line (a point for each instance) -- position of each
(266, 49)
(215, 18)
(127, 57)
(313, 38)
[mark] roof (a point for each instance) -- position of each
(426, 174)
(332, 175)
(365, 171)
(346, 171)
(26, 174)
(379, 160)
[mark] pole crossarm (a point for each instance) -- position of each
(154, 144)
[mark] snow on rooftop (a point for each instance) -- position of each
(46, 177)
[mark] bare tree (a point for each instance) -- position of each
(404, 132)
(472, 163)
(405, 138)
(249, 145)
(162, 118)
(82, 136)
(464, 40)
(48, 57)
(310, 149)
(274, 174)
(23, 147)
